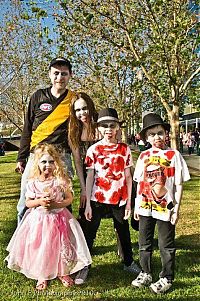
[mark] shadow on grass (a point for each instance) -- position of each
(12, 198)
(191, 188)
(187, 263)
(113, 274)
(186, 242)
(100, 250)
(12, 177)
(105, 278)
(187, 257)
(8, 161)
(6, 231)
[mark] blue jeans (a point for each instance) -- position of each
(166, 236)
(21, 207)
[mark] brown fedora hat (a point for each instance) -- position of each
(150, 120)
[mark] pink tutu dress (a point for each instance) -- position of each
(47, 244)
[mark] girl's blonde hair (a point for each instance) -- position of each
(59, 171)
(76, 126)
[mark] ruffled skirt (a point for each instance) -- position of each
(48, 244)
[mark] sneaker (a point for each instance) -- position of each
(81, 276)
(133, 268)
(143, 279)
(161, 286)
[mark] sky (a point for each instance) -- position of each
(27, 5)
(48, 5)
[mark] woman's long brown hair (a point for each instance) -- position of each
(76, 126)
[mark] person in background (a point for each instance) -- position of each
(197, 140)
(48, 242)
(159, 172)
(137, 138)
(190, 143)
(133, 139)
(181, 142)
(46, 121)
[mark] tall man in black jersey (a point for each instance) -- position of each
(46, 121)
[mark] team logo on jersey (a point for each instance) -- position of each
(46, 107)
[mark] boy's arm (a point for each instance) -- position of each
(135, 215)
(137, 174)
(181, 175)
(128, 178)
(89, 185)
(178, 197)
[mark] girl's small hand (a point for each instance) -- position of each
(45, 202)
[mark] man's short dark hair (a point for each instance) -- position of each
(61, 61)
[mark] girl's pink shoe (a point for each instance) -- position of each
(41, 285)
(66, 280)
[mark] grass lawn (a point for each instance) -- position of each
(107, 280)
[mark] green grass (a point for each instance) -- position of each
(107, 280)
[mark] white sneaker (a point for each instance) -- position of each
(81, 276)
(161, 286)
(143, 279)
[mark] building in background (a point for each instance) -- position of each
(190, 119)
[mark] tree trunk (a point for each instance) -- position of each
(174, 123)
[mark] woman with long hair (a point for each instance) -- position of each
(82, 134)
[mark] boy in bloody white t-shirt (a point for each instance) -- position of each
(109, 184)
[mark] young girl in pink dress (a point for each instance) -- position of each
(49, 242)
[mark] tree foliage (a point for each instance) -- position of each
(23, 62)
(133, 55)
(156, 39)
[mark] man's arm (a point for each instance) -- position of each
(25, 140)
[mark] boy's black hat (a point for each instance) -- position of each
(108, 114)
(60, 61)
(150, 120)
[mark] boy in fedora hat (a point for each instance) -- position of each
(159, 172)
(109, 183)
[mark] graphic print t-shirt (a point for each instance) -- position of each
(109, 163)
(157, 172)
